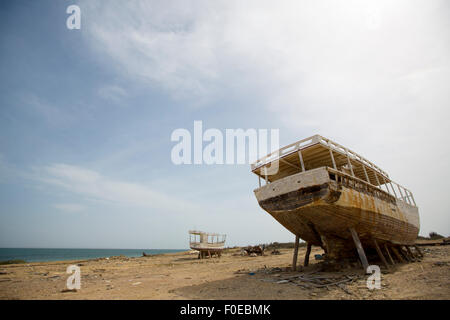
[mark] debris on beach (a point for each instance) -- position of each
(242, 271)
(314, 280)
(147, 255)
(254, 251)
(433, 242)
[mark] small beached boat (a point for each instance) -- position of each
(334, 198)
(208, 244)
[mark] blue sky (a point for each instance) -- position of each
(86, 115)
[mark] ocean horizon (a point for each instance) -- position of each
(57, 254)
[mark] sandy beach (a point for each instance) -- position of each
(233, 276)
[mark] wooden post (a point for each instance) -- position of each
(412, 197)
(380, 253)
(308, 251)
(399, 257)
(332, 157)
(301, 160)
(359, 248)
(349, 163)
(404, 254)
(395, 193)
(418, 250)
(404, 198)
(294, 259)
(400, 191)
(376, 178)
(365, 172)
(408, 196)
(389, 254)
(410, 253)
(386, 185)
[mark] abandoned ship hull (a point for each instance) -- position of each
(321, 205)
(200, 247)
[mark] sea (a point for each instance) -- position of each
(41, 255)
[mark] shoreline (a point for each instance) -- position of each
(78, 254)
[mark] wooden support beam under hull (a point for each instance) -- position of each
(380, 254)
(308, 251)
(411, 254)
(418, 250)
(203, 253)
(397, 254)
(404, 254)
(359, 248)
(389, 254)
(294, 259)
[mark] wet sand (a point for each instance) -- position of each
(233, 276)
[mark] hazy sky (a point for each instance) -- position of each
(86, 115)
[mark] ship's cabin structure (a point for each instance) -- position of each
(208, 244)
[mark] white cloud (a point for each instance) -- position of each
(372, 75)
(92, 185)
(69, 207)
(47, 111)
(112, 92)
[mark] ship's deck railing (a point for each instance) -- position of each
(197, 232)
(349, 179)
(199, 237)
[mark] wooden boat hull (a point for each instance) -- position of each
(206, 247)
(208, 250)
(321, 211)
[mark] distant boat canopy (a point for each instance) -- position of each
(206, 243)
(200, 240)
